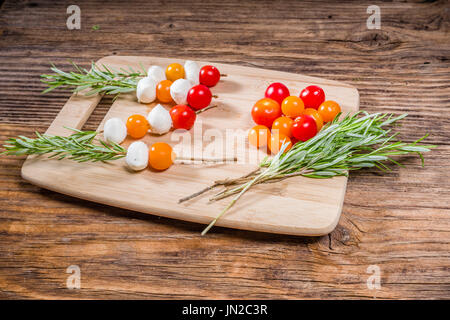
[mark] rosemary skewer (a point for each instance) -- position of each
(355, 142)
(97, 80)
(79, 146)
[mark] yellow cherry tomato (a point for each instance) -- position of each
(316, 116)
(174, 71)
(276, 142)
(160, 156)
(258, 136)
(137, 126)
(292, 106)
(329, 110)
(163, 91)
(283, 125)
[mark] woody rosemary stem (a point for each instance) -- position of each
(218, 183)
(229, 206)
(266, 179)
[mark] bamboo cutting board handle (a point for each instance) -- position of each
(74, 114)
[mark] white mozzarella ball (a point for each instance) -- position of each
(160, 120)
(179, 90)
(115, 130)
(157, 73)
(192, 71)
(146, 90)
(137, 156)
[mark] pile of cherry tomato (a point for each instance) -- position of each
(199, 96)
(283, 118)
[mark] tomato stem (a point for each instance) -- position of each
(204, 109)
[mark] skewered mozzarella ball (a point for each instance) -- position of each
(160, 120)
(179, 90)
(146, 90)
(192, 71)
(137, 156)
(115, 130)
(157, 73)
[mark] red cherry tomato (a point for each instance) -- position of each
(304, 127)
(277, 91)
(199, 97)
(183, 117)
(265, 111)
(209, 76)
(316, 116)
(312, 96)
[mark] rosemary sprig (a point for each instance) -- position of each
(97, 80)
(355, 142)
(78, 147)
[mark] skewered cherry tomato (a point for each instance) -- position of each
(137, 126)
(277, 141)
(316, 116)
(277, 91)
(259, 136)
(304, 127)
(209, 76)
(163, 91)
(174, 72)
(265, 111)
(160, 156)
(329, 110)
(292, 106)
(283, 125)
(183, 117)
(199, 97)
(312, 96)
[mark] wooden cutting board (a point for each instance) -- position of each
(297, 206)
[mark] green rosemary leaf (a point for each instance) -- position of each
(79, 146)
(105, 80)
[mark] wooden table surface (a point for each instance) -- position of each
(397, 223)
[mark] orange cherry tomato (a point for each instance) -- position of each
(259, 136)
(160, 156)
(316, 116)
(329, 110)
(265, 111)
(163, 91)
(283, 125)
(174, 71)
(276, 142)
(292, 106)
(137, 126)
